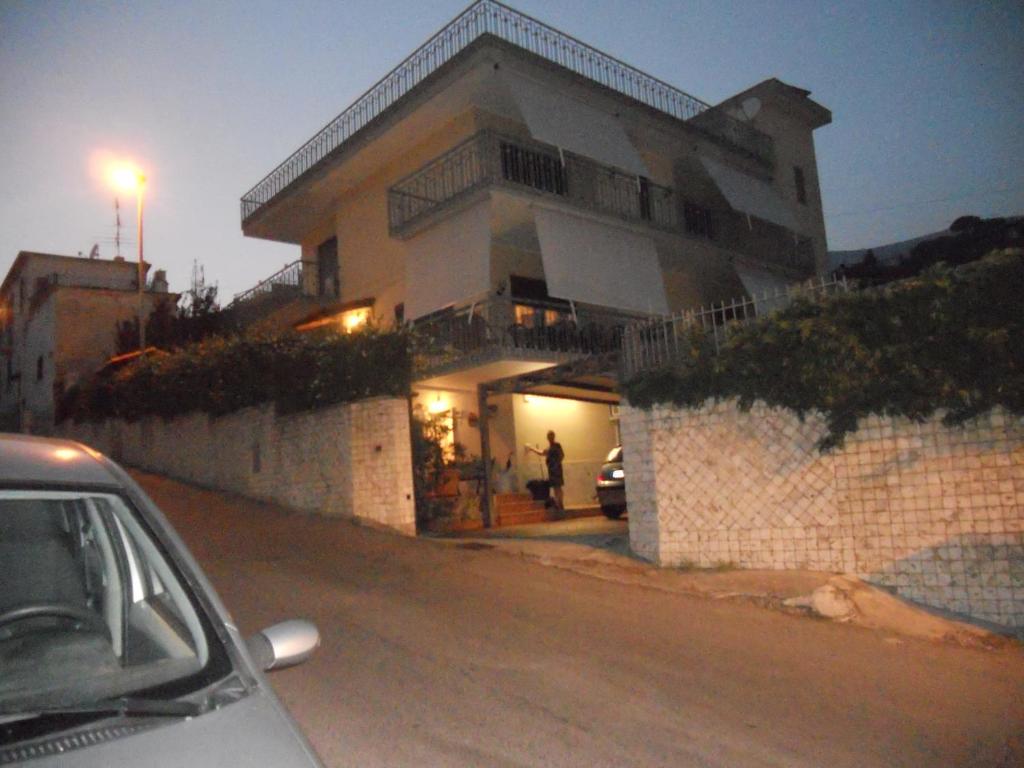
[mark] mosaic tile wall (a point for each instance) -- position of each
(934, 513)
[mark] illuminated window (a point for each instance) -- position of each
(532, 317)
(525, 315)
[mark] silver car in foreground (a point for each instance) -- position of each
(114, 649)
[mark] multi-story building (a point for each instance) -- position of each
(58, 323)
(517, 195)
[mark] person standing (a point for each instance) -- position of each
(553, 457)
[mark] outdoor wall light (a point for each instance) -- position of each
(438, 405)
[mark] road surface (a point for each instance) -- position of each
(435, 655)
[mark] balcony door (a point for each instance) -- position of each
(328, 285)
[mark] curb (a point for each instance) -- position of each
(839, 598)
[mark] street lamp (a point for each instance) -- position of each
(130, 178)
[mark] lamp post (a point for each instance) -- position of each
(130, 178)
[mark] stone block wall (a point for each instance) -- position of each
(935, 513)
(352, 460)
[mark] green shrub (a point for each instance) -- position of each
(222, 375)
(949, 340)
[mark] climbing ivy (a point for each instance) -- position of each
(950, 340)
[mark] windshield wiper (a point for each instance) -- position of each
(129, 706)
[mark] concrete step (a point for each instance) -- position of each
(517, 509)
(501, 499)
(524, 517)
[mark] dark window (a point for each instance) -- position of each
(645, 197)
(697, 219)
(528, 288)
(21, 295)
(801, 186)
(533, 169)
(39, 368)
(327, 269)
(399, 313)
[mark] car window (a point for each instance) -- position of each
(90, 607)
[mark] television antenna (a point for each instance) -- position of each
(117, 227)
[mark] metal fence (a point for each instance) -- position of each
(515, 328)
(491, 17)
(490, 158)
(662, 341)
(290, 276)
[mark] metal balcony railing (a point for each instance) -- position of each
(764, 240)
(515, 328)
(289, 277)
(488, 158)
(489, 17)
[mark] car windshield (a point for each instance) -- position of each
(90, 608)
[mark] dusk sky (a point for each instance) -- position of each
(927, 101)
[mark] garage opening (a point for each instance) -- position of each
(503, 423)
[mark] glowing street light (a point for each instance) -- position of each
(129, 178)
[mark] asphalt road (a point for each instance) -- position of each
(434, 655)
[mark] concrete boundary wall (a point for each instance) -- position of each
(352, 460)
(934, 513)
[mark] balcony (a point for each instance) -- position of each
(514, 329)
(493, 160)
(285, 282)
(764, 241)
(491, 18)
(490, 159)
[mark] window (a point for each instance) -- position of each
(135, 624)
(536, 317)
(400, 313)
(533, 169)
(528, 288)
(801, 186)
(697, 220)
(327, 269)
(645, 197)
(39, 368)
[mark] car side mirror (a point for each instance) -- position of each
(283, 645)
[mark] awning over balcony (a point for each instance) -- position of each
(568, 123)
(589, 261)
(749, 194)
(449, 263)
(766, 288)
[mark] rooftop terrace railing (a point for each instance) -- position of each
(489, 17)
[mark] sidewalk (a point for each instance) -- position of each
(601, 550)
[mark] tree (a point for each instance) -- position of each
(196, 317)
(965, 224)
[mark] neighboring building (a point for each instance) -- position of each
(58, 323)
(518, 196)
